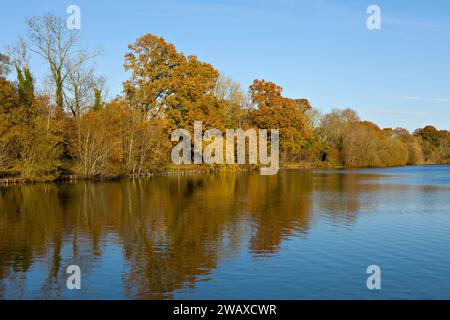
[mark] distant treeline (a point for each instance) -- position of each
(66, 126)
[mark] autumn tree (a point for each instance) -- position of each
(97, 149)
(166, 83)
(169, 90)
(4, 148)
(331, 132)
(273, 111)
(8, 101)
(360, 145)
(145, 143)
(415, 151)
(348, 141)
(32, 145)
(36, 132)
(435, 144)
(8, 96)
(38, 148)
(28, 144)
(152, 62)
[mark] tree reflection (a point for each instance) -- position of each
(173, 231)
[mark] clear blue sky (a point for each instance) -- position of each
(317, 49)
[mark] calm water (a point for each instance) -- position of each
(297, 235)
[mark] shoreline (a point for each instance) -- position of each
(173, 171)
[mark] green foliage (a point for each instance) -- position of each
(25, 89)
(98, 101)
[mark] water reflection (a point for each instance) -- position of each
(148, 238)
(171, 229)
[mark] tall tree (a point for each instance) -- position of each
(435, 144)
(165, 82)
(81, 83)
(53, 41)
(152, 62)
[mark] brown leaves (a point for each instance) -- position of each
(166, 83)
(274, 111)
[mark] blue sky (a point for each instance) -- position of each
(318, 49)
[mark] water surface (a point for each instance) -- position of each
(297, 235)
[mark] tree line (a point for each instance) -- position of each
(67, 126)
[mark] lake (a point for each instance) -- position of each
(296, 235)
